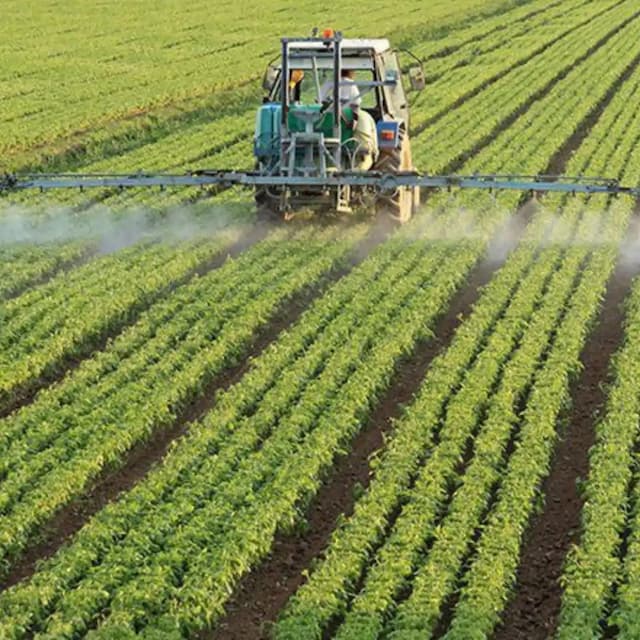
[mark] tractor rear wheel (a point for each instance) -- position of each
(266, 210)
(401, 204)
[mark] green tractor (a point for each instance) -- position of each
(335, 106)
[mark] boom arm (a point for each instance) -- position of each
(371, 179)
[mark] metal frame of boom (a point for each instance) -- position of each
(374, 180)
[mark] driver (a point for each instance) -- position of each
(365, 134)
(349, 92)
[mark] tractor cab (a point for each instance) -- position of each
(305, 127)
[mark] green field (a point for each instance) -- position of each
(213, 428)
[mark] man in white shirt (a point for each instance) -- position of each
(349, 92)
(364, 126)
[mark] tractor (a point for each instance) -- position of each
(307, 127)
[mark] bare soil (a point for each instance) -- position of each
(28, 392)
(533, 612)
(503, 125)
(501, 74)
(263, 593)
(138, 462)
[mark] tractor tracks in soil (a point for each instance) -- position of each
(262, 594)
(139, 461)
(29, 391)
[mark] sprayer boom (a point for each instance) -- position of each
(312, 148)
(376, 181)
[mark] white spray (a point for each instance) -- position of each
(110, 230)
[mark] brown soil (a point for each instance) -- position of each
(263, 593)
(141, 458)
(533, 612)
(28, 392)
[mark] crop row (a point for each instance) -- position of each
(425, 521)
(276, 363)
(594, 567)
(195, 143)
(433, 148)
(52, 448)
(515, 89)
(291, 424)
(481, 34)
(125, 75)
(23, 265)
(624, 616)
(46, 326)
(510, 59)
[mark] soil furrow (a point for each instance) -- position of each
(506, 123)
(560, 160)
(27, 393)
(501, 74)
(416, 131)
(533, 611)
(449, 606)
(141, 458)
(264, 592)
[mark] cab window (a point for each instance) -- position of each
(395, 94)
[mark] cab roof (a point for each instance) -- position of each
(349, 45)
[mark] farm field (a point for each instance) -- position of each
(212, 427)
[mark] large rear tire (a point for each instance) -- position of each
(401, 204)
(266, 209)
